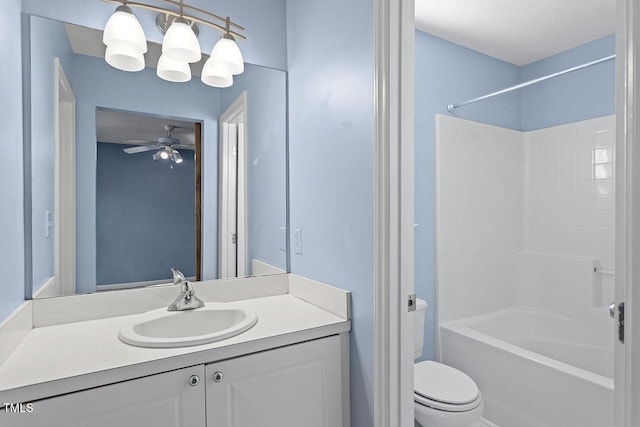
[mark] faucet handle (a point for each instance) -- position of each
(178, 277)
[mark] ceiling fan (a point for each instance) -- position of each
(166, 146)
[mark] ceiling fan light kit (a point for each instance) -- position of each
(165, 146)
(126, 42)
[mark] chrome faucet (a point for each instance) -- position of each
(187, 300)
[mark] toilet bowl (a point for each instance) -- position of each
(443, 396)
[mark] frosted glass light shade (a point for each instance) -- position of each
(180, 42)
(227, 52)
(216, 74)
(123, 32)
(173, 71)
(124, 60)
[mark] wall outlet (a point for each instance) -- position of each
(283, 239)
(297, 241)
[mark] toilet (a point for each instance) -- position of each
(443, 396)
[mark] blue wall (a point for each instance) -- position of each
(11, 172)
(581, 95)
(448, 73)
(145, 93)
(330, 59)
(145, 216)
(48, 40)
(266, 159)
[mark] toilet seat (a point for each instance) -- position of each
(444, 388)
(447, 407)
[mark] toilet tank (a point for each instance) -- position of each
(418, 327)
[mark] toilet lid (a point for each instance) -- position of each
(443, 383)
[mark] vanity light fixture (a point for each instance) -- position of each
(124, 60)
(180, 42)
(227, 52)
(124, 32)
(216, 74)
(173, 71)
(126, 42)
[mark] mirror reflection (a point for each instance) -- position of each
(104, 218)
(147, 191)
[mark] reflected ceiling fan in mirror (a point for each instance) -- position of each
(166, 145)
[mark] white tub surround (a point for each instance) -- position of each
(74, 343)
(535, 368)
(521, 216)
(522, 220)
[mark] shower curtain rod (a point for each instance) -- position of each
(451, 107)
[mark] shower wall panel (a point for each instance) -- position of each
(479, 210)
(569, 217)
(523, 217)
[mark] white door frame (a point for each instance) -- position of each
(65, 183)
(393, 188)
(627, 368)
(394, 31)
(232, 257)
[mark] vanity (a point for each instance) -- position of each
(66, 366)
(131, 175)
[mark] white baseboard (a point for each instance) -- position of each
(49, 289)
(261, 268)
(14, 328)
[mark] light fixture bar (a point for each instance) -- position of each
(213, 15)
(218, 27)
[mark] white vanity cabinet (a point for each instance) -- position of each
(170, 399)
(302, 384)
(298, 385)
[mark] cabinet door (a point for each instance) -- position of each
(293, 386)
(163, 400)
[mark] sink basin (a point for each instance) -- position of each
(164, 329)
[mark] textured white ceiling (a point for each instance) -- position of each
(117, 127)
(517, 31)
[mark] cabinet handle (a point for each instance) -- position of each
(217, 376)
(194, 380)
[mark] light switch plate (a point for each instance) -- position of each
(297, 241)
(283, 239)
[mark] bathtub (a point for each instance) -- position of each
(535, 368)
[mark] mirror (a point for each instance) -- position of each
(104, 219)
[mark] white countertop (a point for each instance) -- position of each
(62, 358)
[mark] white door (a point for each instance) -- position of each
(394, 207)
(627, 353)
(164, 400)
(298, 385)
(232, 234)
(65, 184)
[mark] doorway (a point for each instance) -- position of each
(232, 227)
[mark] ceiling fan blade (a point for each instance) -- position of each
(140, 141)
(142, 148)
(184, 146)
